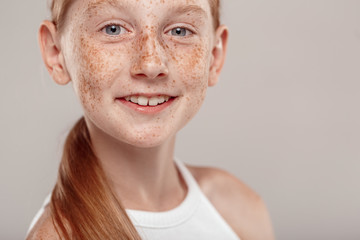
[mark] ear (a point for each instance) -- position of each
(51, 53)
(218, 54)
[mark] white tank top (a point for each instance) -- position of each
(194, 219)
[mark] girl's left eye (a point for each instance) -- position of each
(114, 30)
(180, 32)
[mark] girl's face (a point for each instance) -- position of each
(140, 68)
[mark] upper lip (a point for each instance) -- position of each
(148, 95)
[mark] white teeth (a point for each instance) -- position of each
(134, 99)
(144, 101)
(161, 99)
(153, 101)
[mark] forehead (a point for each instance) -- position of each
(154, 7)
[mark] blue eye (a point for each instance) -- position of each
(181, 32)
(113, 30)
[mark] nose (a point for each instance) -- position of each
(150, 59)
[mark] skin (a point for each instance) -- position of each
(146, 58)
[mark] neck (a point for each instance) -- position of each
(142, 178)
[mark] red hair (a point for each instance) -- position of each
(83, 205)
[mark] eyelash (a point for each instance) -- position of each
(122, 29)
(188, 32)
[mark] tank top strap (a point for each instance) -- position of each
(188, 177)
(207, 210)
(175, 216)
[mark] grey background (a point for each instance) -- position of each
(284, 118)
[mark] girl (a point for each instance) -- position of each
(141, 70)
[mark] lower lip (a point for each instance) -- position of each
(146, 109)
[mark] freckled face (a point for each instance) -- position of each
(121, 48)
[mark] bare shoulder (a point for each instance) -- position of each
(240, 206)
(44, 228)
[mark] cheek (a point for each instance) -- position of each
(194, 72)
(96, 70)
(192, 65)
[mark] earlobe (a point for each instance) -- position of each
(51, 53)
(218, 54)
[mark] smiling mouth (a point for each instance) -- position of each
(148, 101)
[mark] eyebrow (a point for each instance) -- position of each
(92, 7)
(190, 9)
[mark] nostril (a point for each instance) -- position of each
(141, 75)
(149, 68)
(149, 75)
(161, 75)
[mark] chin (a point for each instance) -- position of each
(146, 144)
(142, 135)
(149, 140)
